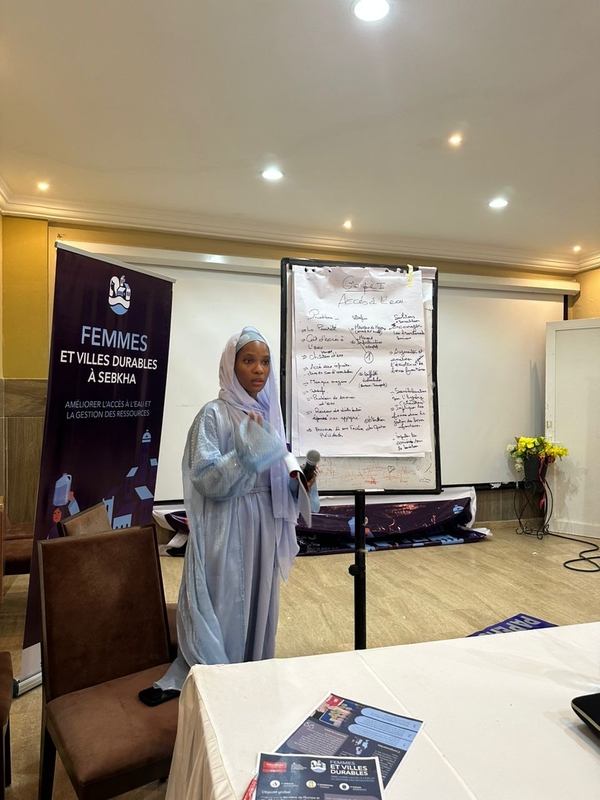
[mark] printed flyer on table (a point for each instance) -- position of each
(310, 777)
(347, 729)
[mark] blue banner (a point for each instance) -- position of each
(106, 391)
(520, 622)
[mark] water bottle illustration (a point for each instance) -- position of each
(62, 489)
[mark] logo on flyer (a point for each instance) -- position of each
(318, 766)
(119, 295)
(274, 766)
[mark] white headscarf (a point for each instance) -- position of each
(267, 404)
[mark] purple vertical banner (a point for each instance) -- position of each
(106, 392)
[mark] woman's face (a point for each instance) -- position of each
(252, 367)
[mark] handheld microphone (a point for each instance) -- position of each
(312, 460)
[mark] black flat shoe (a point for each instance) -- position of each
(177, 552)
(154, 697)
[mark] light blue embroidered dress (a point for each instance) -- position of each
(242, 513)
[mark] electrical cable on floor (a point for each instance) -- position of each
(593, 561)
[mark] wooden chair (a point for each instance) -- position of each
(104, 639)
(91, 520)
(95, 520)
(6, 693)
(16, 543)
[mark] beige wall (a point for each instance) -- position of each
(25, 298)
(1, 326)
(2, 424)
(587, 304)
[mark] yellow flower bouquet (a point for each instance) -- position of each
(535, 447)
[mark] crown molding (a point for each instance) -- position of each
(527, 285)
(151, 257)
(589, 261)
(227, 228)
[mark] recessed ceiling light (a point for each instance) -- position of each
(43, 186)
(577, 248)
(272, 174)
(498, 202)
(348, 224)
(455, 140)
(371, 10)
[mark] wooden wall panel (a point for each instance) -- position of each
(24, 408)
(2, 441)
(24, 450)
(24, 398)
(499, 504)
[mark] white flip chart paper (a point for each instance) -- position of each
(360, 363)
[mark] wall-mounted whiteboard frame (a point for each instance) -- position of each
(394, 475)
(491, 378)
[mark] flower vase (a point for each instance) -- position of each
(535, 472)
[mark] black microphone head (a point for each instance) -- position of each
(313, 457)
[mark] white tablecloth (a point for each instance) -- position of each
(498, 721)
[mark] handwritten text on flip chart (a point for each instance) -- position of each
(360, 362)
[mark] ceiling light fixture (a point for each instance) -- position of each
(577, 248)
(498, 202)
(43, 186)
(371, 10)
(272, 174)
(455, 140)
(347, 224)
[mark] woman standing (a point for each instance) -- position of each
(242, 514)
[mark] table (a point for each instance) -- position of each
(498, 721)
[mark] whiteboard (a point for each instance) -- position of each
(491, 363)
(208, 308)
(337, 283)
(491, 373)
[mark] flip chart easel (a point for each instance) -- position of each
(379, 337)
(337, 347)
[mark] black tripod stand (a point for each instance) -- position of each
(358, 570)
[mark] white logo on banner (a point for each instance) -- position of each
(119, 295)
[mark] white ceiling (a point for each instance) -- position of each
(161, 115)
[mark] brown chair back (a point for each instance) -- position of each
(91, 520)
(2, 551)
(6, 687)
(6, 693)
(103, 608)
